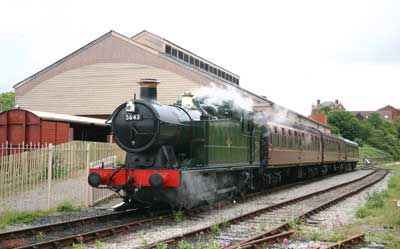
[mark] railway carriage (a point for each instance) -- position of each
(191, 153)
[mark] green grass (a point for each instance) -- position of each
(17, 217)
(367, 151)
(179, 216)
(67, 207)
(11, 218)
(379, 218)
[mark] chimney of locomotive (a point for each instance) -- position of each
(148, 89)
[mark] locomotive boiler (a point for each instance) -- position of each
(188, 154)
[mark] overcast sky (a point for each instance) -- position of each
(294, 52)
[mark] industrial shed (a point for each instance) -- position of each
(93, 80)
(20, 126)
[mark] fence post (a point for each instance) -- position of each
(49, 175)
(88, 190)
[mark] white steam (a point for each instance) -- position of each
(214, 95)
(278, 115)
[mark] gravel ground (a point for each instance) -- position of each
(169, 229)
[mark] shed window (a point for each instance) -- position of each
(215, 71)
(180, 55)
(211, 69)
(201, 65)
(196, 62)
(191, 60)
(206, 67)
(186, 57)
(174, 52)
(167, 49)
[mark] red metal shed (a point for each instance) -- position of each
(19, 126)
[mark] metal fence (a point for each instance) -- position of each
(41, 176)
(98, 195)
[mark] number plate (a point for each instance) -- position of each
(133, 117)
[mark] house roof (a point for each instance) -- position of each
(389, 108)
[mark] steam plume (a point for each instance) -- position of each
(214, 95)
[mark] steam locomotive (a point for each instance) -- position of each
(191, 153)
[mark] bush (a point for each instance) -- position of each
(362, 213)
(66, 207)
(373, 131)
(376, 200)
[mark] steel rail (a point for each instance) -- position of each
(33, 231)
(354, 240)
(17, 239)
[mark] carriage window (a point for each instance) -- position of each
(290, 139)
(276, 137)
(283, 138)
(312, 145)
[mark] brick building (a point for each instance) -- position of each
(388, 113)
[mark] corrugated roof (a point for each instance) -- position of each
(69, 118)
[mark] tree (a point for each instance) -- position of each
(349, 126)
(396, 124)
(7, 101)
(373, 131)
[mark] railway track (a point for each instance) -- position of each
(254, 228)
(79, 230)
(88, 229)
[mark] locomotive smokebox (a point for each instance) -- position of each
(148, 89)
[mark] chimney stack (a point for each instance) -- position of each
(148, 89)
(336, 101)
(318, 102)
